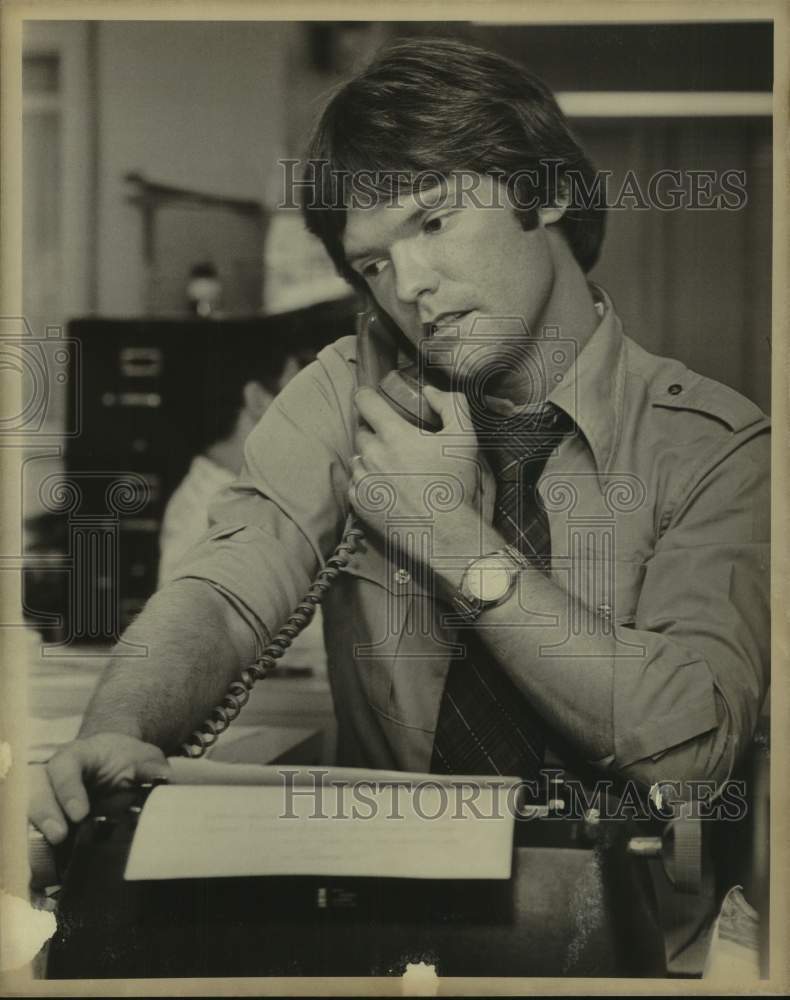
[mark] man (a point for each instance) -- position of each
(619, 620)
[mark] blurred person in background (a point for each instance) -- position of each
(234, 401)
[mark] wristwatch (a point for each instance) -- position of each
(488, 581)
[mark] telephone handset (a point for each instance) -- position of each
(385, 363)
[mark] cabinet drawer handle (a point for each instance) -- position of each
(147, 399)
(141, 362)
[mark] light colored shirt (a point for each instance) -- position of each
(186, 514)
(185, 522)
(659, 516)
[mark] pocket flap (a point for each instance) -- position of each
(393, 570)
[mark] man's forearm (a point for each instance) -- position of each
(194, 644)
(573, 687)
(573, 693)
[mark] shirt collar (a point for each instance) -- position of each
(591, 390)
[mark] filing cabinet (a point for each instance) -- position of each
(138, 401)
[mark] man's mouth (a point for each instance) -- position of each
(446, 320)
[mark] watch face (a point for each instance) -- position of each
(489, 579)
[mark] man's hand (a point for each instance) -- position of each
(402, 471)
(105, 761)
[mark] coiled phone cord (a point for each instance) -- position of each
(238, 693)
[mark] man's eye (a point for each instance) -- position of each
(434, 224)
(373, 269)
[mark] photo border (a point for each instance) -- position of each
(13, 679)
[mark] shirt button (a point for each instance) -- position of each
(663, 796)
(674, 389)
(402, 576)
(656, 796)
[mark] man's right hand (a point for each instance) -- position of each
(102, 762)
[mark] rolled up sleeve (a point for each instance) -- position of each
(688, 707)
(272, 529)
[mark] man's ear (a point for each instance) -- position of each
(257, 399)
(553, 213)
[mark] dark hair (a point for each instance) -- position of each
(436, 106)
(227, 369)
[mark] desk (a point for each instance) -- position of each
(288, 719)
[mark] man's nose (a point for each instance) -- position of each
(413, 274)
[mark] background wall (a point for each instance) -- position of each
(192, 104)
(695, 285)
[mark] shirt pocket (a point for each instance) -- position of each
(393, 632)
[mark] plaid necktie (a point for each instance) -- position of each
(485, 724)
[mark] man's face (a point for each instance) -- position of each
(458, 274)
